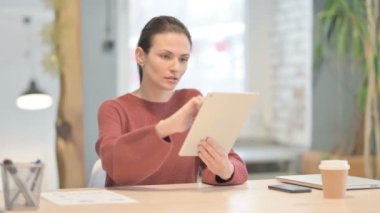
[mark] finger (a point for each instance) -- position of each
(194, 103)
(198, 100)
(213, 163)
(212, 143)
(204, 159)
(218, 149)
(205, 156)
(206, 147)
(208, 162)
(212, 149)
(202, 149)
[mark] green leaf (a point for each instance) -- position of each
(318, 55)
(342, 36)
(362, 96)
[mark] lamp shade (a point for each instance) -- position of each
(33, 98)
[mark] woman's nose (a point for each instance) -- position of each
(175, 66)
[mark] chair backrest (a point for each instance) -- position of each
(98, 175)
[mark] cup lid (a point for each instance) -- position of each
(334, 165)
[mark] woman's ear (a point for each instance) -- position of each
(139, 55)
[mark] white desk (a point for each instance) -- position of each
(253, 196)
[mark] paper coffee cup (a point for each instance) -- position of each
(334, 177)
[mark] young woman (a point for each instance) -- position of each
(141, 133)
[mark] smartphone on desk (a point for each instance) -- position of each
(289, 188)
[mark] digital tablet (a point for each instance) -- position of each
(221, 117)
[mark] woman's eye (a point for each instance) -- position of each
(164, 56)
(183, 60)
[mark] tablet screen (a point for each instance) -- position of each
(221, 117)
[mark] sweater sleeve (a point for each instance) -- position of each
(128, 158)
(239, 176)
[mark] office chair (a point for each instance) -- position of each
(98, 175)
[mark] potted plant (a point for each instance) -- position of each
(351, 28)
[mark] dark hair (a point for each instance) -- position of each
(159, 24)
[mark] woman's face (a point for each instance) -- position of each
(166, 61)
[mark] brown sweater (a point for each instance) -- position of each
(132, 152)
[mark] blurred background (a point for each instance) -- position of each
(306, 112)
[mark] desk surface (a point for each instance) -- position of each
(252, 196)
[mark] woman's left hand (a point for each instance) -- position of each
(215, 158)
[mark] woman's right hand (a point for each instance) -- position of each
(181, 120)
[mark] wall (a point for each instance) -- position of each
(26, 135)
(99, 73)
(280, 56)
(291, 59)
(258, 28)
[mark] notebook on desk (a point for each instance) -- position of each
(315, 181)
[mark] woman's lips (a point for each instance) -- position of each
(172, 79)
